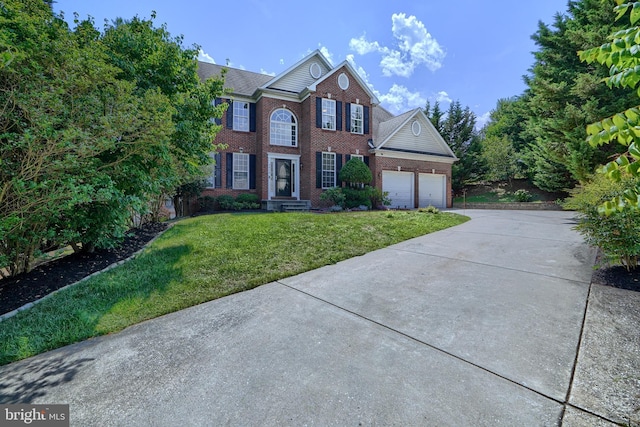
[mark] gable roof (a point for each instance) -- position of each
(354, 73)
(294, 81)
(238, 82)
(315, 55)
(391, 134)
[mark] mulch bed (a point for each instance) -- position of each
(51, 276)
(616, 276)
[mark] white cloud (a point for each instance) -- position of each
(362, 46)
(325, 51)
(205, 57)
(415, 47)
(443, 96)
(361, 72)
(399, 99)
(482, 120)
(262, 71)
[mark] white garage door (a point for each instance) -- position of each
(400, 188)
(432, 190)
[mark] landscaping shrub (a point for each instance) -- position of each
(617, 234)
(248, 198)
(378, 198)
(355, 197)
(429, 209)
(334, 195)
(523, 195)
(355, 173)
(225, 202)
(207, 203)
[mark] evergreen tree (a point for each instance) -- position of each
(565, 94)
(457, 128)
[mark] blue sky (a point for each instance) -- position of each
(410, 52)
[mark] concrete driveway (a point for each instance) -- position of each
(477, 325)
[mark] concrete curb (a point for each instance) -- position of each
(109, 267)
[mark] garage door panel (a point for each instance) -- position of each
(399, 185)
(432, 190)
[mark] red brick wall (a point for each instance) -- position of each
(341, 142)
(311, 140)
(236, 140)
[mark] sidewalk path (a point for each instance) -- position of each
(477, 325)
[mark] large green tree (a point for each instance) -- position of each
(458, 128)
(622, 55)
(83, 148)
(565, 94)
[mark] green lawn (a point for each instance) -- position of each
(201, 259)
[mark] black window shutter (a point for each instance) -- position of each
(318, 112)
(338, 167)
(318, 169)
(252, 171)
(252, 117)
(366, 120)
(366, 160)
(217, 102)
(229, 170)
(347, 113)
(338, 115)
(230, 115)
(347, 157)
(217, 171)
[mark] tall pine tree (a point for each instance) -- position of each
(565, 94)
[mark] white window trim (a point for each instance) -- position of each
(326, 170)
(295, 167)
(239, 123)
(358, 156)
(328, 120)
(295, 128)
(238, 170)
(354, 120)
(416, 128)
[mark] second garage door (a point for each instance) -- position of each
(400, 188)
(432, 190)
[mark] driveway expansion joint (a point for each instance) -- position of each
(424, 343)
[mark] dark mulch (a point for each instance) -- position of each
(46, 278)
(616, 276)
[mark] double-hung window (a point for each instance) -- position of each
(357, 119)
(328, 170)
(240, 171)
(241, 116)
(328, 114)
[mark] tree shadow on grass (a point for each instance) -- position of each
(106, 303)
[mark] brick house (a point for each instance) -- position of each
(289, 135)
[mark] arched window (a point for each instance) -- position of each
(284, 128)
